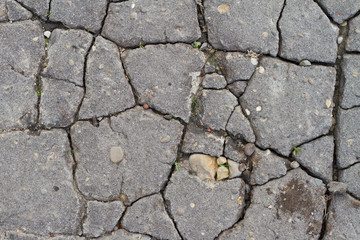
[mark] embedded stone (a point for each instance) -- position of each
(36, 175)
(197, 140)
(216, 108)
(350, 96)
(139, 22)
(134, 131)
(87, 14)
(168, 91)
(347, 137)
(310, 117)
(234, 169)
(116, 154)
(239, 126)
(317, 157)
(204, 166)
(221, 173)
(59, 102)
(249, 149)
(192, 206)
(107, 89)
(148, 216)
(221, 160)
(66, 55)
(307, 33)
(277, 206)
(101, 217)
(245, 25)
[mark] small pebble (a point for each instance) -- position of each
(343, 24)
(247, 112)
(168, 117)
(192, 205)
(254, 61)
(221, 160)
(357, 30)
(47, 34)
(146, 106)
(258, 108)
(305, 63)
(328, 103)
(249, 149)
(116, 154)
(165, 139)
(261, 70)
(294, 164)
(340, 39)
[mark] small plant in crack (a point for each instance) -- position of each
(39, 92)
(176, 165)
(46, 42)
(140, 45)
(224, 165)
(48, 14)
(87, 30)
(196, 45)
(71, 153)
(296, 151)
(194, 101)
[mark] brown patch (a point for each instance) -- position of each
(223, 8)
(295, 198)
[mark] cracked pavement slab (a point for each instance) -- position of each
(179, 119)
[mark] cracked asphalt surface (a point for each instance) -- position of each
(179, 119)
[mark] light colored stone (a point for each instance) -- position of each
(205, 166)
(234, 169)
(249, 149)
(221, 160)
(116, 154)
(294, 164)
(222, 173)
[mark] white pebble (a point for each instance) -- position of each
(247, 112)
(261, 69)
(305, 63)
(340, 39)
(47, 34)
(258, 108)
(294, 164)
(254, 61)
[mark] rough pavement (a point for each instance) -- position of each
(179, 119)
